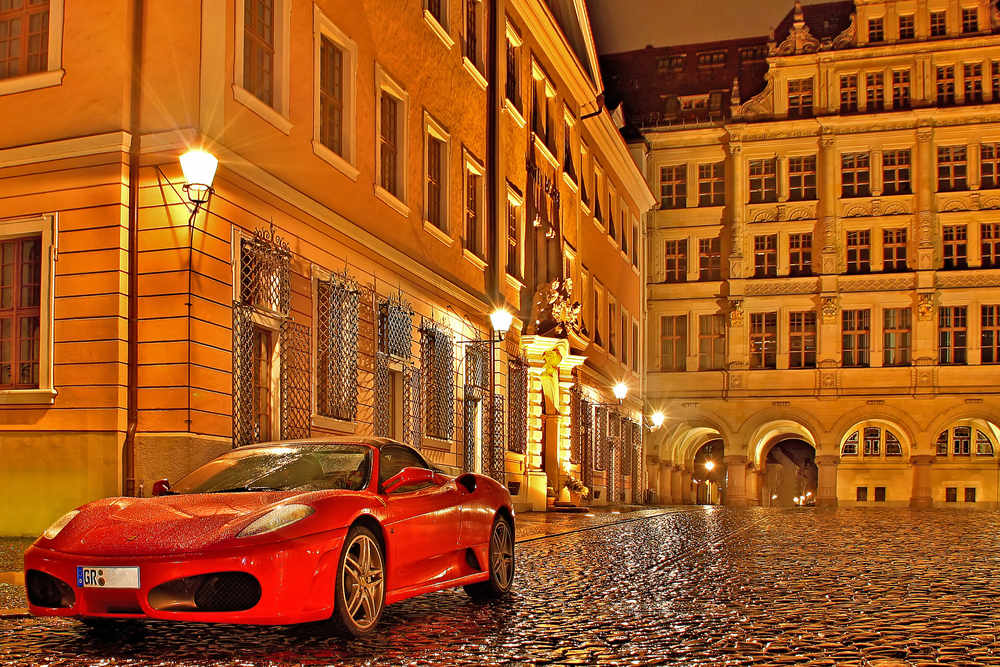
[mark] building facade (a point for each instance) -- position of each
(389, 174)
(824, 269)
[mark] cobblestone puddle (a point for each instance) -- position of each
(703, 587)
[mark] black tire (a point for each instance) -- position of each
(501, 563)
(360, 588)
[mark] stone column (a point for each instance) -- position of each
(826, 491)
(676, 482)
(736, 480)
(828, 197)
(686, 494)
(921, 480)
(665, 495)
(753, 487)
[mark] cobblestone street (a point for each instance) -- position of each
(678, 586)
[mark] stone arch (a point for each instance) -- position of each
(976, 428)
(902, 421)
(765, 426)
(676, 445)
(887, 426)
(959, 413)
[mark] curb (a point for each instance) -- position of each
(14, 613)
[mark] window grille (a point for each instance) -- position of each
(587, 442)
(626, 447)
(337, 348)
(601, 453)
(638, 464)
(296, 380)
(517, 401)
(612, 456)
(395, 327)
(497, 467)
(381, 401)
(438, 365)
(412, 404)
(265, 265)
(576, 431)
(244, 429)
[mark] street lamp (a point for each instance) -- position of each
(199, 172)
(620, 391)
(657, 419)
(710, 465)
(501, 319)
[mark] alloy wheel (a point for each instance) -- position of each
(502, 554)
(364, 581)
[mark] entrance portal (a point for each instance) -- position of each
(789, 475)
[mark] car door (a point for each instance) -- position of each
(423, 523)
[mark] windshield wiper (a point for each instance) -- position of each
(241, 489)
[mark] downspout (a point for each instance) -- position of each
(493, 181)
(135, 150)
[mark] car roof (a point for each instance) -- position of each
(371, 441)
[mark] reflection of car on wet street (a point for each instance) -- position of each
(278, 533)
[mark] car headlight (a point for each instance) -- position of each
(279, 517)
(55, 528)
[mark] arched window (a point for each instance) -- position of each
(873, 438)
(942, 444)
(892, 446)
(851, 445)
(983, 445)
(961, 438)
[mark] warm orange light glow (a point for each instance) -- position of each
(501, 320)
(658, 419)
(620, 390)
(199, 173)
(710, 465)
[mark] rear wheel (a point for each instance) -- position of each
(501, 563)
(360, 588)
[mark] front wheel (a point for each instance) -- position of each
(360, 588)
(501, 563)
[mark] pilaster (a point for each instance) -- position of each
(826, 491)
(921, 480)
(736, 480)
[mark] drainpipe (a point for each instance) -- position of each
(135, 149)
(493, 181)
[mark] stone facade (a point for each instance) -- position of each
(823, 265)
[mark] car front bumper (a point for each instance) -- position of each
(296, 580)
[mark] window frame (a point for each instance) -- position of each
(45, 226)
(894, 166)
(436, 131)
(765, 256)
(954, 247)
(711, 177)
(54, 73)
(802, 330)
(895, 242)
(710, 258)
(766, 179)
(385, 84)
(800, 254)
(277, 114)
(678, 343)
(677, 184)
(515, 202)
(763, 333)
(897, 337)
(679, 260)
(989, 333)
(347, 162)
(856, 328)
(953, 335)
(857, 165)
(802, 178)
(440, 25)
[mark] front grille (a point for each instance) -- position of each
(218, 591)
(44, 590)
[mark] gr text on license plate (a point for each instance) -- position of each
(107, 577)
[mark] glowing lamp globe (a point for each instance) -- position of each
(199, 172)
(658, 419)
(501, 320)
(620, 391)
(710, 465)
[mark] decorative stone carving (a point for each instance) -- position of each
(958, 204)
(862, 210)
(989, 204)
(925, 306)
(876, 283)
(554, 312)
(829, 234)
(768, 214)
(827, 140)
(925, 134)
(782, 286)
(829, 308)
(761, 104)
(801, 213)
(828, 380)
(736, 313)
(849, 36)
(975, 279)
(800, 39)
(924, 219)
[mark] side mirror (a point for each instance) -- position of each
(161, 487)
(408, 476)
(467, 482)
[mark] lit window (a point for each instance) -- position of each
(855, 338)
(952, 332)
(954, 248)
(673, 342)
(990, 334)
(855, 175)
(896, 172)
(896, 332)
(763, 340)
(850, 447)
(894, 249)
(20, 312)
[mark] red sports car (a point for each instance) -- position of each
(276, 533)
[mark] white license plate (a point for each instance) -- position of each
(107, 577)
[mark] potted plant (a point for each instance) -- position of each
(576, 488)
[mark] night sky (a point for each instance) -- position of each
(625, 25)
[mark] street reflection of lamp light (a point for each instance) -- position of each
(199, 172)
(709, 465)
(501, 319)
(658, 419)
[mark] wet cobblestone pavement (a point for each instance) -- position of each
(696, 587)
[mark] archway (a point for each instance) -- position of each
(709, 475)
(788, 475)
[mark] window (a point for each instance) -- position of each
(862, 494)
(676, 261)
(953, 247)
(334, 133)
(755, 53)
(800, 254)
(471, 47)
(673, 186)
(515, 234)
(970, 492)
(995, 79)
(584, 195)
(802, 178)
(901, 89)
(26, 34)
(263, 362)
(709, 259)
(945, 85)
(597, 315)
(712, 59)
(569, 168)
(896, 172)
(984, 447)
(855, 178)
(436, 147)
(612, 325)
(990, 333)
(763, 340)
(673, 342)
(951, 494)
(875, 91)
(848, 93)
(438, 367)
(896, 327)
(765, 256)
(391, 156)
(942, 444)
(876, 30)
(475, 229)
(892, 446)
(711, 342)
(635, 243)
(512, 87)
(802, 339)
(258, 49)
(872, 440)
(598, 216)
(635, 346)
(859, 251)
(855, 332)
(894, 249)
(800, 98)
(880, 494)
(970, 19)
(951, 168)
(961, 440)
(712, 184)
(337, 302)
(850, 447)
(438, 9)
(938, 24)
(907, 27)
(973, 80)
(625, 336)
(763, 181)
(542, 93)
(952, 330)
(989, 166)
(20, 312)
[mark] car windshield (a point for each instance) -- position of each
(282, 468)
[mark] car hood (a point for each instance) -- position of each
(163, 525)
